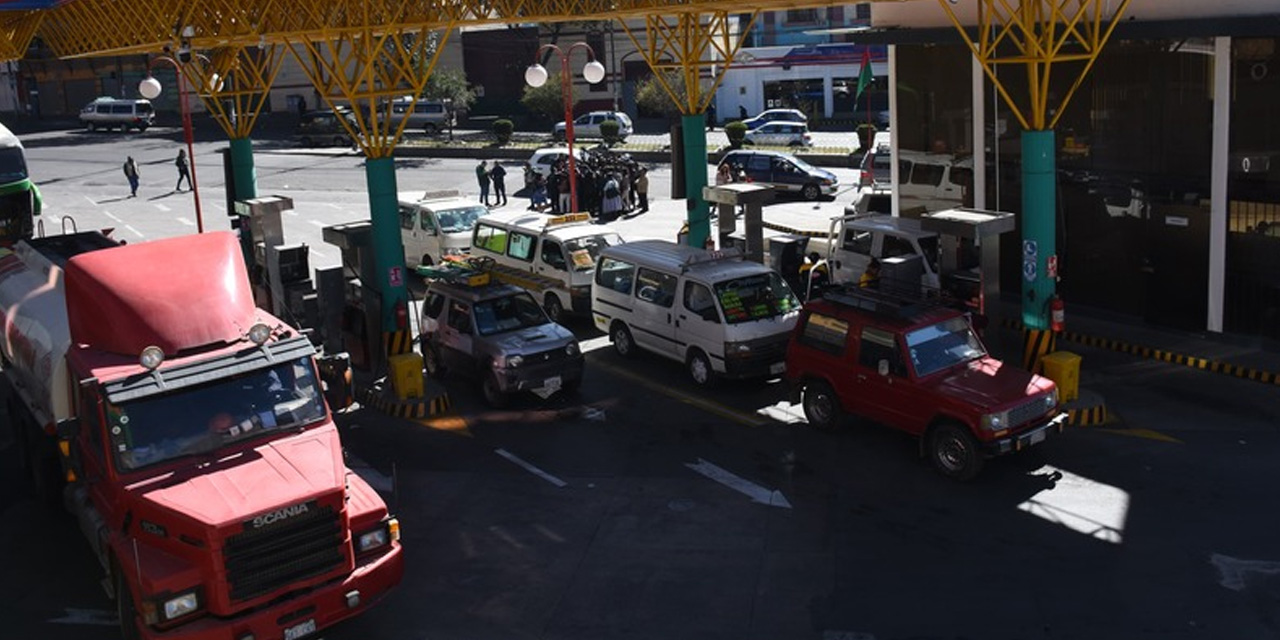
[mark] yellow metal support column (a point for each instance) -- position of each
(678, 49)
(234, 83)
(16, 30)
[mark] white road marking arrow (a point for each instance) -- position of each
(1233, 570)
(757, 493)
(87, 616)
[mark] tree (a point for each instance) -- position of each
(652, 97)
(450, 84)
(547, 99)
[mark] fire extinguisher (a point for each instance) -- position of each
(402, 316)
(1057, 314)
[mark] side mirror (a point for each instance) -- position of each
(882, 367)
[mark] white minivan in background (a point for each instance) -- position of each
(553, 257)
(721, 315)
(437, 226)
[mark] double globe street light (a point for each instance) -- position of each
(592, 72)
(150, 89)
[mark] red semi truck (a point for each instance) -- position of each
(186, 431)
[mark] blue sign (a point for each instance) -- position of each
(1030, 249)
(1029, 269)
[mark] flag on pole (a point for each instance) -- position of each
(864, 77)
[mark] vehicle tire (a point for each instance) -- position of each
(554, 309)
(430, 129)
(810, 192)
(620, 336)
(493, 394)
(341, 141)
(306, 141)
(126, 612)
(432, 363)
(700, 370)
(558, 136)
(954, 452)
(141, 128)
(91, 127)
(821, 406)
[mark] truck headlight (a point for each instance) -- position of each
(995, 421)
(179, 606)
(371, 540)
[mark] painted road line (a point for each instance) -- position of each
(701, 403)
(757, 493)
(109, 215)
(96, 617)
(317, 254)
(318, 223)
(162, 207)
(1233, 570)
(186, 221)
(530, 468)
(135, 231)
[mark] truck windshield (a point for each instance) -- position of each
(583, 252)
(13, 166)
(202, 419)
(943, 345)
(755, 297)
(510, 313)
(459, 220)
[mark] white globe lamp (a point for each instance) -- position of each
(535, 75)
(593, 72)
(149, 88)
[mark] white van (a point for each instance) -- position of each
(554, 257)
(108, 113)
(431, 116)
(714, 311)
(437, 226)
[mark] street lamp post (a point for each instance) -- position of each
(593, 72)
(150, 89)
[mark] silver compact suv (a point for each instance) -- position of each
(497, 334)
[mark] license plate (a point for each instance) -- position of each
(1036, 437)
(300, 630)
(552, 384)
(778, 367)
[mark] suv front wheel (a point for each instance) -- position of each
(954, 451)
(821, 406)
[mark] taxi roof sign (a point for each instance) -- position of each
(568, 218)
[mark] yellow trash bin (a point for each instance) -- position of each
(1063, 367)
(406, 375)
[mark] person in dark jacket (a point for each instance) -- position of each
(499, 177)
(183, 172)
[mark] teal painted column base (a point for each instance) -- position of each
(388, 255)
(246, 178)
(1039, 229)
(695, 178)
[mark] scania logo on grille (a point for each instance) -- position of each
(272, 517)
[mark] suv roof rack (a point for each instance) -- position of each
(466, 272)
(890, 299)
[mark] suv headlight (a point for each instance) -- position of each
(180, 605)
(507, 362)
(1051, 400)
(995, 421)
(571, 349)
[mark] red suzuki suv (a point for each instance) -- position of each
(917, 366)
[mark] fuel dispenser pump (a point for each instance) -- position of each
(361, 324)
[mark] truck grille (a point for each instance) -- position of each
(260, 560)
(1027, 411)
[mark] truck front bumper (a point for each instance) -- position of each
(304, 613)
(1033, 436)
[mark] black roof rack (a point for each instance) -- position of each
(895, 301)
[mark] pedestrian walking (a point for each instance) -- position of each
(642, 189)
(482, 176)
(499, 177)
(131, 172)
(183, 172)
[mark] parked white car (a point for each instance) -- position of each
(780, 134)
(543, 160)
(587, 125)
(776, 115)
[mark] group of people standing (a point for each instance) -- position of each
(608, 185)
(132, 174)
(498, 177)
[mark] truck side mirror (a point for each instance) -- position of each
(882, 367)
